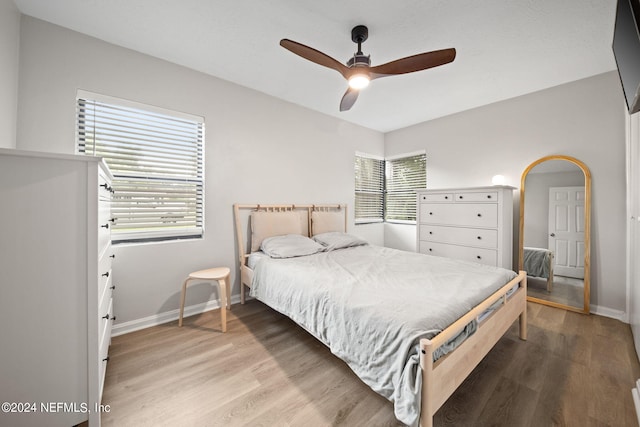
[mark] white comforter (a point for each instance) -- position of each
(371, 306)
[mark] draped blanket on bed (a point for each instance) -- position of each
(536, 262)
(371, 306)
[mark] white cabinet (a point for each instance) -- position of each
(105, 274)
(56, 308)
(473, 224)
(633, 227)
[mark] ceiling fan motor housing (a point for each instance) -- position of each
(359, 60)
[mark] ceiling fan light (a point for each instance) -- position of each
(359, 81)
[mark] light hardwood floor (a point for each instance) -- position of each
(574, 370)
(566, 290)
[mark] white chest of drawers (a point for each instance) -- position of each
(473, 224)
(55, 286)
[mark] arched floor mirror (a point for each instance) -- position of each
(555, 216)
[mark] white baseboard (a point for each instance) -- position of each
(167, 316)
(608, 312)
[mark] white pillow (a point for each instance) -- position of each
(267, 224)
(338, 240)
(323, 222)
(289, 246)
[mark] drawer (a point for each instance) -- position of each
(104, 211)
(104, 296)
(436, 197)
(105, 341)
(102, 372)
(486, 196)
(476, 237)
(481, 255)
(104, 224)
(104, 282)
(104, 186)
(462, 214)
(105, 326)
(106, 258)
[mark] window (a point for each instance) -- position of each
(386, 189)
(402, 177)
(156, 157)
(369, 205)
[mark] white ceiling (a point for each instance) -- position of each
(505, 48)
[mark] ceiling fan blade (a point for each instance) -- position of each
(314, 55)
(410, 64)
(348, 99)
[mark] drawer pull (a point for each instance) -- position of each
(488, 196)
(460, 197)
(106, 187)
(105, 225)
(113, 220)
(106, 316)
(430, 213)
(479, 237)
(479, 215)
(105, 274)
(112, 256)
(112, 287)
(479, 257)
(431, 232)
(430, 250)
(113, 318)
(446, 197)
(106, 359)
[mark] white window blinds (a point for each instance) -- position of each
(386, 189)
(403, 176)
(369, 203)
(157, 162)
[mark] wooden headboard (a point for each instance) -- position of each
(286, 219)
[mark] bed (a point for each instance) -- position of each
(538, 262)
(412, 344)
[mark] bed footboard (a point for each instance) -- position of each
(442, 378)
(550, 278)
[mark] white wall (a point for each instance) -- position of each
(258, 150)
(9, 54)
(582, 119)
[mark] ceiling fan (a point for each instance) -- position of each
(359, 71)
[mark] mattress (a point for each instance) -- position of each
(372, 305)
(254, 258)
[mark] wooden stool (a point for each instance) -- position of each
(220, 275)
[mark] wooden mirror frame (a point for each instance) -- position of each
(587, 231)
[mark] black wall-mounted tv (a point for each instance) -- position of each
(626, 49)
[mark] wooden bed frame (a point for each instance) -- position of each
(441, 378)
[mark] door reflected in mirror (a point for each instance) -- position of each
(554, 232)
